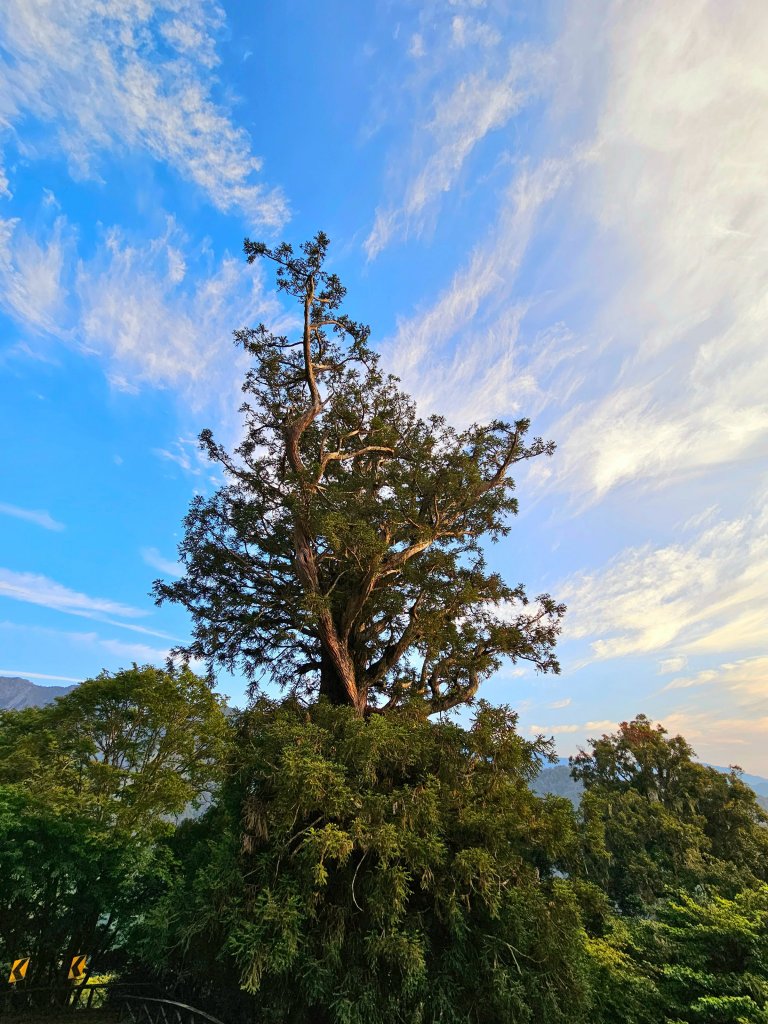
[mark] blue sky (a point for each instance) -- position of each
(542, 209)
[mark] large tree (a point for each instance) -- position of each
(344, 552)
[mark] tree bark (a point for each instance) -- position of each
(331, 684)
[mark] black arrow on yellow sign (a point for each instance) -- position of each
(77, 968)
(18, 970)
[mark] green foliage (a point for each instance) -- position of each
(87, 786)
(654, 821)
(700, 960)
(344, 554)
(389, 869)
(712, 957)
(622, 989)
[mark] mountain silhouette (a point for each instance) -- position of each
(17, 693)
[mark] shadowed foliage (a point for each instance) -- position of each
(363, 872)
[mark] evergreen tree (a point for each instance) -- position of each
(654, 820)
(344, 553)
(697, 960)
(369, 871)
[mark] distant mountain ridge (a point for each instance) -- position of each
(17, 693)
(557, 781)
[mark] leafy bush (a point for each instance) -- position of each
(388, 869)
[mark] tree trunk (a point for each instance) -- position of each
(331, 684)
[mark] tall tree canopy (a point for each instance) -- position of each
(343, 554)
(366, 872)
(655, 820)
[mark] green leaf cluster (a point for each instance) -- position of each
(694, 960)
(384, 870)
(654, 820)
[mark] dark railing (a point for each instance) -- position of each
(143, 1010)
(135, 1003)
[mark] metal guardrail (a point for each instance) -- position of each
(143, 1010)
(134, 1006)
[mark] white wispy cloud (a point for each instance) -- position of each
(37, 589)
(662, 216)
(24, 674)
(91, 646)
(115, 75)
(675, 187)
(37, 516)
(185, 453)
(133, 628)
(153, 558)
(155, 327)
(460, 353)
(706, 596)
(479, 103)
(140, 653)
(31, 272)
(466, 30)
(133, 305)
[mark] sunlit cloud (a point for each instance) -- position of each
(553, 730)
(667, 665)
(674, 184)
(744, 678)
(709, 595)
(725, 739)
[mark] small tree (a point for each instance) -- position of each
(88, 785)
(344, 555)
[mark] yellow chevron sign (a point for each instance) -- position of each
(77, 968)
(18, 970)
